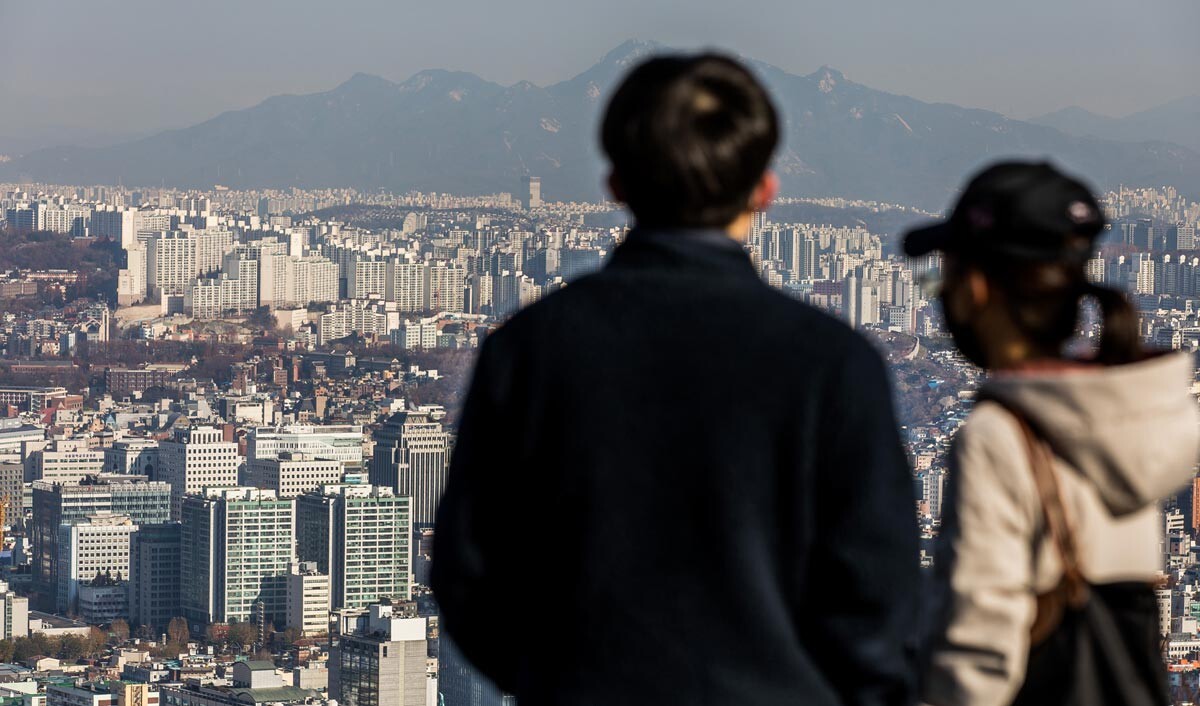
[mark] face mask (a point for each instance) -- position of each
(965, 339)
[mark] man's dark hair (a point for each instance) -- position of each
(689, 137)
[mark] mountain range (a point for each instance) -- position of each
(1177, 121)
(456, 132)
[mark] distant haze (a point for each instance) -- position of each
(100, 72)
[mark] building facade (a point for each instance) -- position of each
(411, 456)
(195, 459)
(154, 573)
(361, 537)
(237, 544)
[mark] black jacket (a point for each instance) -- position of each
(676, 485)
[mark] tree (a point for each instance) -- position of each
(177, 631)
(23, 649)
(7, 650)
(145, 632)
(120, 631)
(217, 634)
(262, 319)
(72, 647)
(95, 642)
(242, 634)
(289, 637)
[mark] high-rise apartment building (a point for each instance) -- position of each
(170, 263)
(314, 279)
(195, 459)
(212, 244)
(369, 278)
(361, 537)
(408, 285)
(237, 544)
(447, 282)
(118, 224)
(534, 186)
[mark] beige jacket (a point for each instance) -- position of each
(1124, 438)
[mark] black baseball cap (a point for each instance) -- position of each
(1026, 210)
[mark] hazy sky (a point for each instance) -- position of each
(128, 66)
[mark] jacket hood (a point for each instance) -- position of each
(1132, 430)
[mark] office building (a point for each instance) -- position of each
(361, 537)
(379, 659)
(237, 544)
(92, 549)
(195, 459)
(16, 614)
(411, 456)
(342, 442)
(55, 505)
(64, 461)
(292, 473)
(460, 683)
(132, 456)
(120, 382)
(154, 572)
(30, 399)
(307, 599)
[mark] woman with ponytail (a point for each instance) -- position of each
(1050, 545)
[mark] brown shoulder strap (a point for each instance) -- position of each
(1054, 512)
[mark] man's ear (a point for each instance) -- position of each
(765, 192)
(615, 189)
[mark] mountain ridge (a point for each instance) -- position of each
(1176, 121)
(454, 131)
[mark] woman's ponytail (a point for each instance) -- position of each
(1119, 340)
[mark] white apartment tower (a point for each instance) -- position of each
(170, 263)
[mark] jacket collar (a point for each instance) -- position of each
(682, 248)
